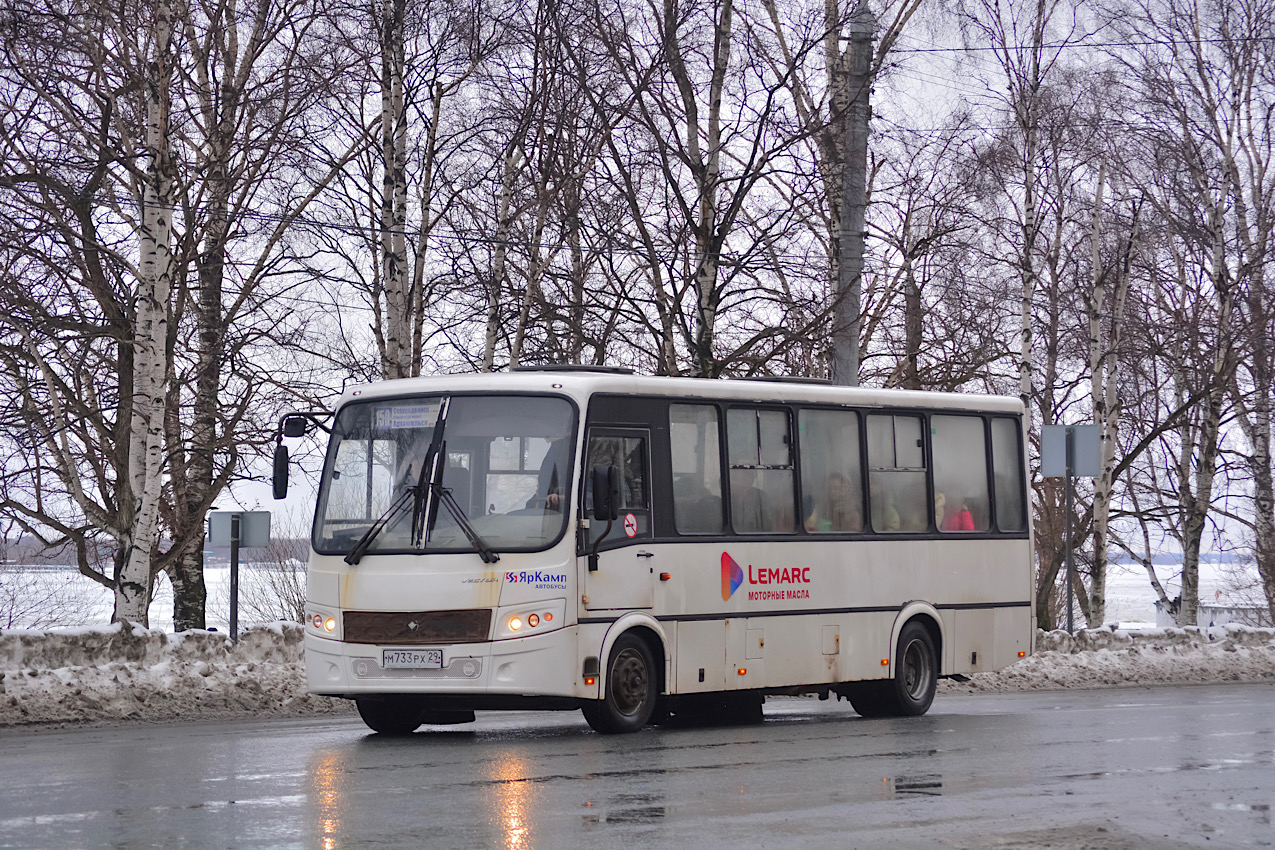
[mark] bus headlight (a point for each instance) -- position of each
(529, 620)
(323, 622)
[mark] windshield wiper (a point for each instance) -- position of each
(404, 499)
(429, 511)
(484, 551)
(425, 508)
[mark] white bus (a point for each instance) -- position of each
(643, 547)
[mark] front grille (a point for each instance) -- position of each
(415, 628)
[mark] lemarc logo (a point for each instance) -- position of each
(732, 576)
(780, 582)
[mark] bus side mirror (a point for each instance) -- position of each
(606, 493)
(295, 426)
(280, 471)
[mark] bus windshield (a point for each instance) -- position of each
(506, 462)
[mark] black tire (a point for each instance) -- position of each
(866, 698)
(916, 673)
(911, 690)
(390, 715)
(630, 689)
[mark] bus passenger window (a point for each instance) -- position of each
(960, 473)
(697, 469)
(1007, 470)
(761, 471)
(831, 481)
(896, 477)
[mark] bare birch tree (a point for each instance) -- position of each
(88, 156)
(1194, 69)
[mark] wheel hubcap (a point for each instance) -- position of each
(629, 682)
(916, 670)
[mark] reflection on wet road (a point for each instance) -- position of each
(1142, 768)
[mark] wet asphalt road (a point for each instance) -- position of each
(1137, 768)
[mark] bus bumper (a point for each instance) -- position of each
(544, 666)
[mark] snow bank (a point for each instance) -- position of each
(127, 673)
(1106, 658)
(123, 673)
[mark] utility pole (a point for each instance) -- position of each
(856, 66)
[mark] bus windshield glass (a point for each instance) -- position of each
(505, 459)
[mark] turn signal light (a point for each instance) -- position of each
(885, 662)
(515, 623)
(329, 624)
(589, 680)
(743, 671)
(1022, 654)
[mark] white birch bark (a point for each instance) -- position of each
(146, 448)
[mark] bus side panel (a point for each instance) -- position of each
(975, 640)
(1014, 630)
(869, 645)
(700, 657)
(947, 661)
(808, 649)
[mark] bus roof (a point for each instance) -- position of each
(582, 383)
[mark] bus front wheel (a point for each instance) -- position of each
(629, 691)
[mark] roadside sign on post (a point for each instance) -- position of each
(254, 528)
(1070, 451)
(235, 529)
(1086, 459)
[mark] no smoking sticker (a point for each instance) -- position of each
(630, 525)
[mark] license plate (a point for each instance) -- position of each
(411, 658)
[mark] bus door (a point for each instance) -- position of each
(624, 577)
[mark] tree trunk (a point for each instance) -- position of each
(504, 226)
(396, 355)
(146, 453)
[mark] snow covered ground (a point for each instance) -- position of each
(118, 674)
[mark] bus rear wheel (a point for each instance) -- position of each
(630, 689)
(911, 690)
(391, 714)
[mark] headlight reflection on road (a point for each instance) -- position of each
(513, 793)
(326, 769)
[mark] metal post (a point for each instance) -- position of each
(234, 577)
(857, 71)
(1071, 565)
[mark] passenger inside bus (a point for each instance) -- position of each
(961, 519)
(838, 510)
(885, 515)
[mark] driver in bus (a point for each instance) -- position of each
(549, 487)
